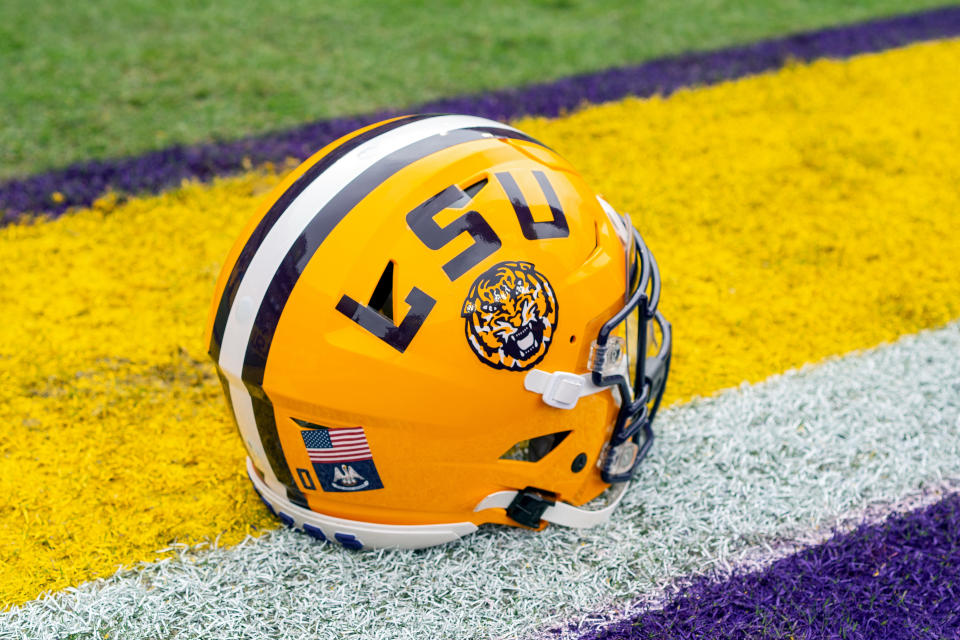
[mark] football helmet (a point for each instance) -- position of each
(431, 324)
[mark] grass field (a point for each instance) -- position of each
(104, 309)
(799, 195)
(118, 77)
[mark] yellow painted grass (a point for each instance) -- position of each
(795, 215)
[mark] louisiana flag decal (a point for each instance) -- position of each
(341, 459)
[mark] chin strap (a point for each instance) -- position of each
(529, 506)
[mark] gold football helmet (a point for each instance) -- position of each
(434, 323)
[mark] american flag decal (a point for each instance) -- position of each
(337, 445)
(341, 458)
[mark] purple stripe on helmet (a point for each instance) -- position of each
(80, 184)
(270, 218)
(896, 579)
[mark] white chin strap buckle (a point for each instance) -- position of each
(561, 389)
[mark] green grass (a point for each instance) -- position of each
(117, 77)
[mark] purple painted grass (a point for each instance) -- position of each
(896, 579)
(81, 184)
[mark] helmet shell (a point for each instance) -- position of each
(438, 397)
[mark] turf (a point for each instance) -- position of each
(737, 480)
(891, 580)
(123, 76)
(114, 409)
(58, 190)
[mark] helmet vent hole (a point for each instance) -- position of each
(382, 299)
(573, 339)
(474, 189)
(535, 449)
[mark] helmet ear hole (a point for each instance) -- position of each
(535, 449)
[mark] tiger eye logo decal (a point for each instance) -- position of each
(510, 314)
